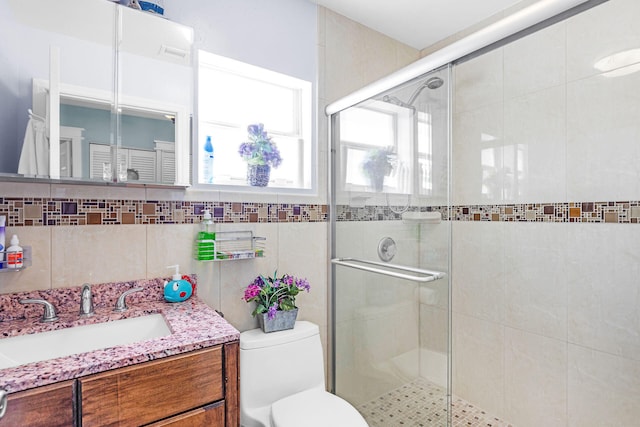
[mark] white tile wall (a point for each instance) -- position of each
(603, 154)
(603, 389)
(535, 380)
(534, 147)
(603, 288)
(536, 278)
(478, 270)
(478, 362)
(546, 315)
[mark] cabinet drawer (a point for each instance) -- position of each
(151, 391)
(47, 406)
(209, 416)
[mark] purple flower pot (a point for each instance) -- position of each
(258, 175)
(282, 320)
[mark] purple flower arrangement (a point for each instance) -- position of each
(260, 149)
(274, 293)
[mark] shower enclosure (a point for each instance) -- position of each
(391, 253)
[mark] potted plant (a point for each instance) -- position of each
(275, 299)
(376, 165)
(260, 153)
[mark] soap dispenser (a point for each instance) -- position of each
(178, 289)
(205, 243)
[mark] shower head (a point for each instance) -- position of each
(434, 83)
(431, 83)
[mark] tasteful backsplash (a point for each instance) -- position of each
(33, 211)
(30, 211)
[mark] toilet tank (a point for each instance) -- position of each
(279, 364)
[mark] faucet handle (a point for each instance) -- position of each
(121, 303)
(49, 310)
(86, 301)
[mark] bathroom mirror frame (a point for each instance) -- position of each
(123, 57)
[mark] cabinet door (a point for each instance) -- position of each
(47, 406)
(152, 391)
(209, 416)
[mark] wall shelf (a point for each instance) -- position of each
(26, 261)
(229, 246)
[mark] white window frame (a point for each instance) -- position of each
(303, 121)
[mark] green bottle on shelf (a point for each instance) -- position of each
(205, 243)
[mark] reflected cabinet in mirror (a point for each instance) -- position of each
(92, 91)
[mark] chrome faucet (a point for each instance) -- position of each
(49, 310)
(121, 303)
(86, 301)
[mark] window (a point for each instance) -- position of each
(233, 95)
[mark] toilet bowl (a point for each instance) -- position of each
(282, 382)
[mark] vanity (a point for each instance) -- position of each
(186, 378)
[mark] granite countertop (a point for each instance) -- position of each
(194, 325)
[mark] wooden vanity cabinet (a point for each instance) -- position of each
(199, 388)
(46, 406)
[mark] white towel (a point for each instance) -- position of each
(34, 159)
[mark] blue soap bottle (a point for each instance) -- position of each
(178, 289)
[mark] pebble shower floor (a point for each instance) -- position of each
(421, 403)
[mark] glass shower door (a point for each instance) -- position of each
(390, 254)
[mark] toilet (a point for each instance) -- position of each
(282, 381)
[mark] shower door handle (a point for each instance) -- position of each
(421, 275)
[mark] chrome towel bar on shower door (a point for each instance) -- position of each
(421, 274)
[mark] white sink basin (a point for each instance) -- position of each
(23, 349)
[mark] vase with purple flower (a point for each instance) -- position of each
(275, 299)
(260, 153)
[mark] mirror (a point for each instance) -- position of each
(92, 91)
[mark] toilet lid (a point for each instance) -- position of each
(315, 408)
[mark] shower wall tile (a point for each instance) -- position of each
(435, 336)
(603, 389)
(478, 362)
(348, 383)
(535, 380)
(478, 262)
(302, 258)
(479, 82)
(535, 62)
(434, 245)
(603, 288)
(357, 55)
(609, 28)
(534, 147)
(478, 155)
(535, 259)
(380, 53)
(602, 123)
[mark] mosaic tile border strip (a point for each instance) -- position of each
(29, 211)
(621, 212)
(55, 212)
